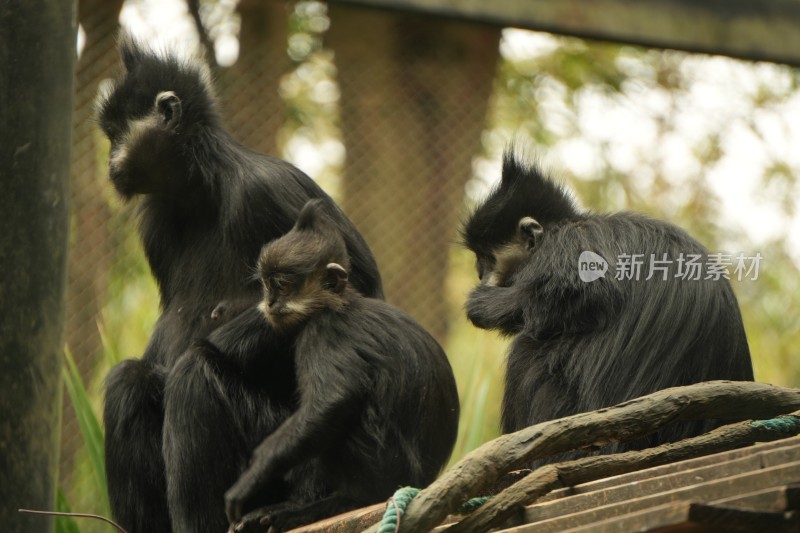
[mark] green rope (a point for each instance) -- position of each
(398, 503)
(472, 504)
(782, 424)
(395, 508)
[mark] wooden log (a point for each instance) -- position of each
(350, 522)
(764, 31)
(577, 471)
(475, 473)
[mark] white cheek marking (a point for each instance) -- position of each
(118, 158)
(299, 307)
(137, 130)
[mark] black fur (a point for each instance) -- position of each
(581, 346)
(207, 206)
(378, 401)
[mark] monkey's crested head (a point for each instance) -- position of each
(306, 270)
(504, 229)
(152, 114)
(524, 191)
(149, 72)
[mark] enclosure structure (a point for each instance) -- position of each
(410, 111)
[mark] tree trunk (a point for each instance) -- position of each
(414, 101)
(37, 57)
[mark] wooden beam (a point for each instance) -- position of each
(765, 30)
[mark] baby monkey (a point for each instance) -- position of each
(378, 403)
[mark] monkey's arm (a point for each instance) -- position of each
(245, 341)
(330, 397)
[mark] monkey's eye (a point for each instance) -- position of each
(280, 283)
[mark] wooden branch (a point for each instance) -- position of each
(475, 473)
(570, 473)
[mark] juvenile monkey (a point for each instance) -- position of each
(378, 402)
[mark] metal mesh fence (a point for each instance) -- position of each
(408, 111)
(398, 116)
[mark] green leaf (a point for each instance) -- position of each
(90, 427)
(64, 524)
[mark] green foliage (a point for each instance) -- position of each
(91, 430)
(89, 483)
(64, 524)
(478, 359)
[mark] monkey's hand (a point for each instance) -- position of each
(477, 305)
(240, 495)
(272, 519)
(491, 307)
(236, 497)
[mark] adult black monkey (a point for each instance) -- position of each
(207, 206)
(378, 401)
(582, 345)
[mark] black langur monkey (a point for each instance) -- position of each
(207, 206)
(583, 343)
(378, 402)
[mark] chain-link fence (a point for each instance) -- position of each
(408, 110)
(391, 113)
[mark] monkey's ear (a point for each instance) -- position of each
(168, 106)
(529, 230)
(335, 277)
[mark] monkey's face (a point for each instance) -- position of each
(144, 153)
(506, 261)
(305, 271)
(301, 278)
(283, 304)
(291, 298)
(497, 268)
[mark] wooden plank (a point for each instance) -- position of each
(360, 519)
(658, 518)
(687, 517)
(650, 473)
(703, 492)
(772, 499)
(763, 30)
(655, 484)
(474, 474)
(715, 516)
(673, 517)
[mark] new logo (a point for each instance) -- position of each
(591, 266)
